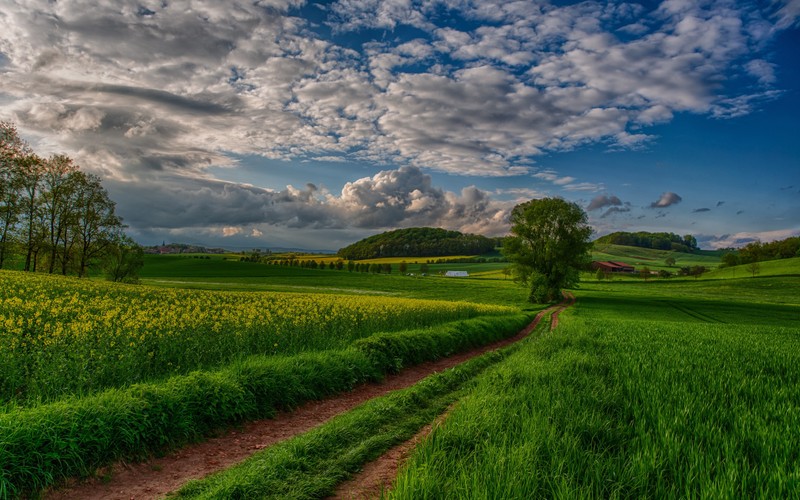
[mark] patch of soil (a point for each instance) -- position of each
(159, 476)
(377, 476)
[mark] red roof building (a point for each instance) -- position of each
(613, 267)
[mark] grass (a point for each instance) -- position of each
(632, 397)
(654, 259)
(44, 444)
(486, 282)
(782, 267)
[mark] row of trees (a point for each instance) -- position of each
(350, 266)
(418, 242)
(657, 241)
(757, 252)
(55, 217)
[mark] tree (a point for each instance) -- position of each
(600, 275)
(645, 273)
(31, 172)
(754, 268)
(403, 267)
(549, 245)
(730, 259)
(13, 151)
(57, 199)
(123, 260)
(669, 261)
(697, 271)
(96, 225)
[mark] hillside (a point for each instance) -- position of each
(656, 241)
(654, 259)
(418, 242)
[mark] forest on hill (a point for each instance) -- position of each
(656, 241)
(418, 242)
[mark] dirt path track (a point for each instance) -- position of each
(377, 476)
(159, 476)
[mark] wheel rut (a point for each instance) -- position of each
(159, 476)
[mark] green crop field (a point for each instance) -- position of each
(654, 390)
(654, 259)
(486, 283)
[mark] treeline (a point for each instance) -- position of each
(656, 241)
(418, 242)
(56, 218)
(757, 252)
(178, 248)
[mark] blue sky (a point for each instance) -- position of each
(291, 123)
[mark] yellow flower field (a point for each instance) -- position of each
(62, 335)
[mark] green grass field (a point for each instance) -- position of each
(654, 259)
(667, 389)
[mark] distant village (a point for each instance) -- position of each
(174, 248)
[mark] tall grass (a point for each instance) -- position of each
(608, 407)
(63, 336)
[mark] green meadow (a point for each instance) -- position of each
(664, 389)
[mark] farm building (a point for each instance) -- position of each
(456, 274)
(613, 267)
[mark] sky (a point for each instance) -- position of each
(313, 124)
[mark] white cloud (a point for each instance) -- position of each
(667, 199)
(404, 197)
(762, 70)
(603, 201)
(740, 239)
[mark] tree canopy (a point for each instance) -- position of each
(418, 242)
(548, 246)
(657, 241)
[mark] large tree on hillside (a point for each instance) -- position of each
(549, 245)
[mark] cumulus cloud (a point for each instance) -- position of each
(602, 201)
(404, 197)
(197, 81)
(667, 199)
(741, 239)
